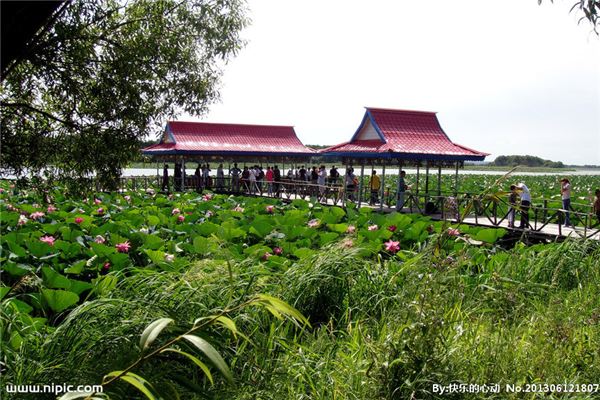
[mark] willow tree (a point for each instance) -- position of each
(107, 73)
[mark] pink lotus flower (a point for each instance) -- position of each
(175, 211)
(99, 239)
(169, 257)
(37, 215)
(127, 198)
(392, 228)
(22, 220)
(1, 190)
(453, 232)
(181, 218)
(207, 197)
(347, 243)
(351, 229)
(313, 223)
(97, 201)
(78, 220)
(373, 227)
(277, 251)
(238, 209)
(123, 247)
(51, 209)
(48, 239)
(105, 268)
(266, 256)
(392, 246)
(100, 211)
(270, 209)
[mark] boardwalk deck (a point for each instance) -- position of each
(550, 229)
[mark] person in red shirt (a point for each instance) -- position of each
(269, 178)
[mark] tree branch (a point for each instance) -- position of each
(38, 111)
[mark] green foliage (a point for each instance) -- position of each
(105, 74)
(530, 161)
(590, 10)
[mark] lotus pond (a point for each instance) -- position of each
(212, 296)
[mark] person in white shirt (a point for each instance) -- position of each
(252, 179)
(525, 204)
(565, 192)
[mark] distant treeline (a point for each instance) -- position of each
(318, 146)
(530, 161)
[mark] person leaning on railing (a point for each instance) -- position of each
(596, 204)
(525, 196)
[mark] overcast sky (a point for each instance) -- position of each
(506, 77)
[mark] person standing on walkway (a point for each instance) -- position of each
(375, 186)
(198, 179)
(565, 192)
(596, 204)
(178, 176)
(525, 204)
(401, 191)
(165, 179)
(235, 178)
(277, 180)
(512, 201)
(220, 177)
(322, 176)
(206, 176)
(269, 178)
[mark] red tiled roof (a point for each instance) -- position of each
(204, 137)
(403, 131)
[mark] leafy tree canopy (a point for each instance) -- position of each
(109, 72)
(590, 9)
(530, 161)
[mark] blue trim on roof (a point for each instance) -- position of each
(404, 156)
(375, 126)
(377, 129)
(170, 133)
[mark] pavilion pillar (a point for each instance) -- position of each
(456, 181)
(382, 186)
(345, 185)
(417, 184)
(183, 173)
(360, 183)
(439, 183)
(426, 181)
(158, 183)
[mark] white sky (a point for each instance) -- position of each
(506, 77)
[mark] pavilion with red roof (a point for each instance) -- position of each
(402, 134)
(400, 138)
(204, 140)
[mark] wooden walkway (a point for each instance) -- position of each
(550, 230)
(474, 209)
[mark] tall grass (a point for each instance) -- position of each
(387, 328)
